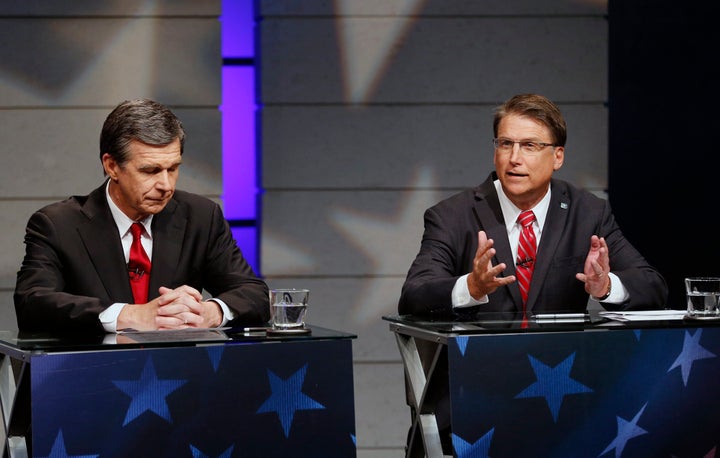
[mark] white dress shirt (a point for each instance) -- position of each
(461, 295)
(109, 316)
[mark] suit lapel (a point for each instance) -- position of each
(487, 209)
(100, 237)
(555, 223)
(168, 229)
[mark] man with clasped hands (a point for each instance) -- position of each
(467, 259)
(74, 275)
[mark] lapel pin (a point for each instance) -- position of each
(563, 205)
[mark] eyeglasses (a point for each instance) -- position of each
(505, 145)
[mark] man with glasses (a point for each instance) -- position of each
(476, 254)
(470, 258)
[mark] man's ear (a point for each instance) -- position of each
(110, 166)
(559, 157)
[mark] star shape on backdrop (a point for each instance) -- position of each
(87, 61)
(148, 393)
(691, 352)
(287, 397)
(479, 449)
(373, 235)
(292, 259)
(626, 431)
(553, 383)
(196, 453)
(368, 47)
(58, 449)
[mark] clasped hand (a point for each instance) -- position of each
(178, 308)
(484, 278)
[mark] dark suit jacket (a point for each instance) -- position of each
(74, 267)
(450, 241)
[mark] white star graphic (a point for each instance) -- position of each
(692, 351)
(197, 453)
(58, 449)
(148, 393)
(626, 431)
(462, 343)
(479, 449)
(373, 235)
(287, 398)
(553, 383)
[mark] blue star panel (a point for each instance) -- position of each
(220, 401)
(649, 393)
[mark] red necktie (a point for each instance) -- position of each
(526, 257)
(139, 266)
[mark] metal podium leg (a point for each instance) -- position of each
(15, 420)
(424, 437)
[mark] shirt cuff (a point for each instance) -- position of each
(461, 295)
(108, 317)
(227, 313)
(618, 293)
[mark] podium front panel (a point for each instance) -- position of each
(602, 393)
(292, 398)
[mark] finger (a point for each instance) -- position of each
(172, 304)
(598, 269)
(178, 307)
(483, 244)
(493, 272)
(171, 310)
(167, 296)
(501, 281)
(179, 296)
(485, 258)
(482, 238)
(167, 322)
(190, 291)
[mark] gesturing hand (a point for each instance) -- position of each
(484, 279)
(596, 268)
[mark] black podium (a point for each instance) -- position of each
(585, 386)
(227, 393)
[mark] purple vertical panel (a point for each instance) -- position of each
(237, 28)
(246, 238)
(238, 125)
(239, 158)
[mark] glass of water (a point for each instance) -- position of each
(288, 307)
(703, 294)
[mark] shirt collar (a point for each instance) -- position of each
(122, 221)
(511, 212)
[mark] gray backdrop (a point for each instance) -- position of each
(371, 111)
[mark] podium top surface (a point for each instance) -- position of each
(13, 341)
(496, 323)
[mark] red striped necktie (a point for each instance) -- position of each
(138, 266)
(526, 258)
